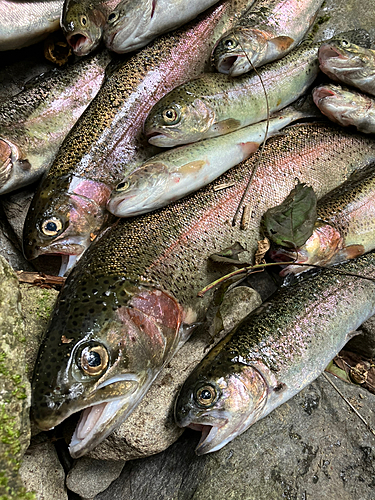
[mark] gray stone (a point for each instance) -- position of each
(364, 344)
(42, 471)
(14, 386)
(88, 477)
(312, 447)
(151, 428)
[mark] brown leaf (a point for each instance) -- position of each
(263, 247)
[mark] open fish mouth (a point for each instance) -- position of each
(327, 52)
(95, 422)
(80, 44)
(322, 92)
(234, 65)
(226, 64)
(213, 437)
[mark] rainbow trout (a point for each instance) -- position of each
(132, 299)
(177, 172)
(24, 23)
(68, 209)
(82, 22)
(346, 107)
(350, 60)
(267, 31)
(34, 123)
(345, 225)
(217, 104)
(277, 351)
(134, 23)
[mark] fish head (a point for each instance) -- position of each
(107, 340)
(338, 104)
(64, 217)
(221, 398)
(319, 250)
(180, 117)
(238, 51)
(141, 191)
(82, 25)
(346, 54)
(127, 25)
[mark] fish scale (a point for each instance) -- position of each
(163, 257)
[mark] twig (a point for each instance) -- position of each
(349, 404)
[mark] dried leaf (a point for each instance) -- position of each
(263, 247)
(291, 223)
(229, 255)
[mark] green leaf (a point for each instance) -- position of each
(291, 223)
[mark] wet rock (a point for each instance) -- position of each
(151, 428)
(14, 386)
(88, 477)
(364, 344)
(42, 471)
(313, 446)
(15, 206)
(10, 247)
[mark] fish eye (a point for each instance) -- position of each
(171, 116)
(113, 16)
(83, 20)
(206, 395)
(345, 43)
(52, 226)
(93, 360)
(122, 186)
(230, 43)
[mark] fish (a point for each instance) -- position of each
(132, 24)
(25, 23)
(83, 21)
(34, 123)
(350, 60)
(267, 31)
(346, 107)
(177, 172)
(216, 104)
(69, 207)
(344, 228)
(278, 350)
(132, 299)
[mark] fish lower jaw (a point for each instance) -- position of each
(81, 44)
(93, 426)
(234, 65)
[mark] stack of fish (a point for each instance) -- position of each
(132, 299)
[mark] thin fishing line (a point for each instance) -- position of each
(265, 137)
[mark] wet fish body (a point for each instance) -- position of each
(68, 209)
(217, 104)
(348, 61)
(25, 23)
(269, 30)
(83, 21)
(134, 23)
(344, 228)
(276, 352)
(178, 172)
(132, 299)
(346, 107)
(34, 123)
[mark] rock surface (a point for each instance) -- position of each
(88, 477)
(151, 428)
(14, 387)
(312, 447)
(42, 471)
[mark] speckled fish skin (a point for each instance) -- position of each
(158, 260)
(34, 123)
(346, 107)
(83, 21)
(266, 32)
(134, 23)
(216, 104)
(345, 225)
(348, 61)
(95, 155)
(25, 23)
(277, 351)
(177, 172)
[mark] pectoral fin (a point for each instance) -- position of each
(281, 43)
(225, 126)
